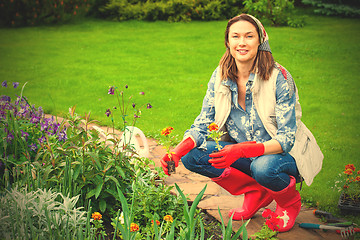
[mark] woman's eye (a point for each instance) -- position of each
(250, 36)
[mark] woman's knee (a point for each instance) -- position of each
(189, 161)
(263, 170)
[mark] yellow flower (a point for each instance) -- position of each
(134, 227)
(168, 218)
(96, 216)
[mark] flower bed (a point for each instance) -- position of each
(89, 182)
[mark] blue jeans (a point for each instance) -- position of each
(270, 171)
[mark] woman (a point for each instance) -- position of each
(254, 100)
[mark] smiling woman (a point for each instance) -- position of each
(255, 101)
(76, 63)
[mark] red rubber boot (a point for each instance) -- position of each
(288, 205)
(237, 183)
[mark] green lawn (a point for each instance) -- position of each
(75, 64)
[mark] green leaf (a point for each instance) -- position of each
(114, 180)
(120, 171)
(102, 205)
(98, 189)
(90, 194)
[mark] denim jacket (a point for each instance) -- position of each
(279, 118)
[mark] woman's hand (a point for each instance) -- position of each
(181, 150)
(230, 153)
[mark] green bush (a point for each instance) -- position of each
(24, 12)
(39, 152)
(278, 12)
(347, 8)
(40, 214)
(171, 10)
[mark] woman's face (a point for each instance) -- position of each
(243, 42)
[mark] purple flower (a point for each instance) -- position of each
(2, 115)
(141, 93)
(10, 137)
(42, 139)
(148, 106)
(35, 119)
(62, 136)
(126, 86)
(45, 124)
(108, 112)
(136, 116)
(40, 111)
(133, 105)
(5, 98)
(33, 147)
(111, 91)
(15, 84)
(4, 83)
(24, 134)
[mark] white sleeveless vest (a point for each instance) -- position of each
(305, 151)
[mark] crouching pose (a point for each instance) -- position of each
(268, 149)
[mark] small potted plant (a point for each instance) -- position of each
(215, 134)
(166, 133)
(349, 185)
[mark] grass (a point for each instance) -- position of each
(75, 64)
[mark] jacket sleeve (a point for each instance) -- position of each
(285, 111)
(198, 129)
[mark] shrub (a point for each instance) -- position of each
(73, 160)
(278, 12)
(40, 214)
(24, 12)
(171, 10)
(345, 8)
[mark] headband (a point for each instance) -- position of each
(264, 38)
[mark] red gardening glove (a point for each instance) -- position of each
(230, 153)
(181, 150)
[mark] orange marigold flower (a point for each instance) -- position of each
(213, 127)
(358, 172)
(357, 179)
(96, 216)
(350, 166)
(157, 222)
(134, 227)
(166, 131)
(348, 171)
(168, 218)
(346, 186)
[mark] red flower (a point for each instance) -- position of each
(273, 223)
(166, 131)
(272, 219)
(350, 166)
(268, 213)
(213, 127)
(348, 171)
(157, 222)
